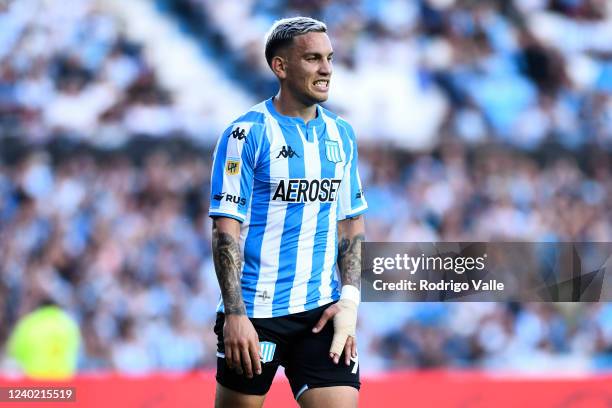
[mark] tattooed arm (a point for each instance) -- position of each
(239, 336)
(226, 254)
(351, 232)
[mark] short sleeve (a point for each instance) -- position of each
(233, 169)
(352, 201)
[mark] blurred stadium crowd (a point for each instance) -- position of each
(477, 120)
(518, 71)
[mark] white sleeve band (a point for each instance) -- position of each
(350, 292)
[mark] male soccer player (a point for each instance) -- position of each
(287, 202)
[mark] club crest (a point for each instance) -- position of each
(332, 151)
(267, 349)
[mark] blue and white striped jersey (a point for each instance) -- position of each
(289, 183)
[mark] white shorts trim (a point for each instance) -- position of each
(301, 391)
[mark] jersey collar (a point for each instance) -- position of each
(291, 120)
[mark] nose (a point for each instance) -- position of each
(325, 68)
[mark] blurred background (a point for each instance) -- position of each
(476, 121)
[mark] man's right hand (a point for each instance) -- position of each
(241, 345)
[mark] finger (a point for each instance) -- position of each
(246, 362)
(228, 357)
(322, 321)
(354, 348)
(237, 363)
(347, 350)
(255, 358)
(337, 345)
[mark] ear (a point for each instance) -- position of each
(279, 67)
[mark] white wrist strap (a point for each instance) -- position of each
(350, 292)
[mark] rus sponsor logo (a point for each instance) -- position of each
(305, 191)
(229, 197)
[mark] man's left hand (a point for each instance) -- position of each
(344, 314)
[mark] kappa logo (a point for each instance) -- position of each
(232, 166)
(266, 350)
(238, 133)
(287, 152)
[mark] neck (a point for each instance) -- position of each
(288, 106)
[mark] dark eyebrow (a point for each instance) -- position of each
(316, 54)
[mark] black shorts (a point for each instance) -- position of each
(290, 342)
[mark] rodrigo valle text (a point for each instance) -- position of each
(474, 285)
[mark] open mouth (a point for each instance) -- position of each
(321, 85)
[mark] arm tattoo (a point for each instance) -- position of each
(349, 260)
(226, 255)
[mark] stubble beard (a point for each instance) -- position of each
(308, 97)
